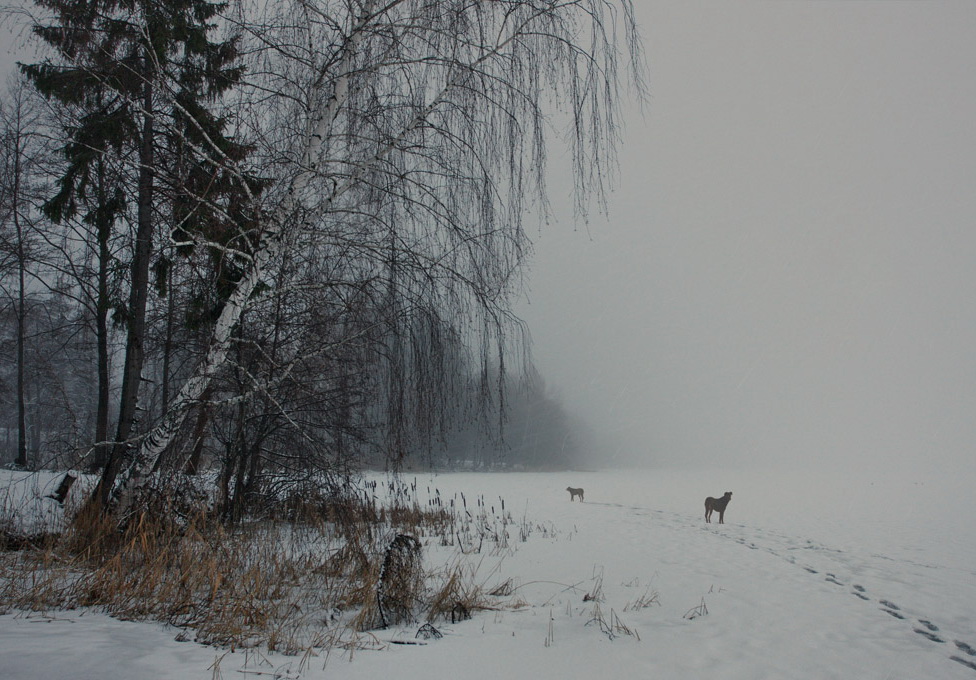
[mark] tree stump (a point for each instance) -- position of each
(400, 582)
(64, 487)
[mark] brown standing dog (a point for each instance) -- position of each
(717, 504)
(573, 493)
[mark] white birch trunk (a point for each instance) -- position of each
(321, 118)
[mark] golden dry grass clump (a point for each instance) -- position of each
(328, 569)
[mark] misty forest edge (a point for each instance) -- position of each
(275, 243)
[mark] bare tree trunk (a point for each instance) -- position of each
(102, 306)
(168, 341)
(268, 249)
(138, 299)
(21, 458)
(199, 436)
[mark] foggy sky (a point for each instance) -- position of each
(787, 271)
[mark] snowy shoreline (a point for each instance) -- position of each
(813, 575)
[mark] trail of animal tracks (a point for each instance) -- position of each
(812, 576)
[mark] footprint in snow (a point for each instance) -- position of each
(964, 662)
(965, 647)
(931, 636)
(893, 612)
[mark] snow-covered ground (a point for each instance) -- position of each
(815, 574)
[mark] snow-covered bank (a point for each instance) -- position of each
(814, 575)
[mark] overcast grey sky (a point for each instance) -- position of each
(789, 265)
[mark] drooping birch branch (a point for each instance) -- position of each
(322, 117)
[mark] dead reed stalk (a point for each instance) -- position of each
(312, 578)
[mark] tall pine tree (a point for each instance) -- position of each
(141, 77)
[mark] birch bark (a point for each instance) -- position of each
(322, 113)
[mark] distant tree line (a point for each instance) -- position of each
(282, 239)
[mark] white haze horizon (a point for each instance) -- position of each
(787, 273)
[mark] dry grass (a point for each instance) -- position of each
(456, 595)
(697, 612)
(321, 577)
(648, 599)
(613, 627)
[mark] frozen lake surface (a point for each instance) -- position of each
(815, 574)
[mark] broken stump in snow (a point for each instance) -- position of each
(400, 582)
(64, 487)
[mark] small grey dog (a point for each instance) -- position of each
(573, 493)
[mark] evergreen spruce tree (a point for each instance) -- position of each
(141, 77)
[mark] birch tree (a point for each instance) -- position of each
(139, 73)
(408, 139)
